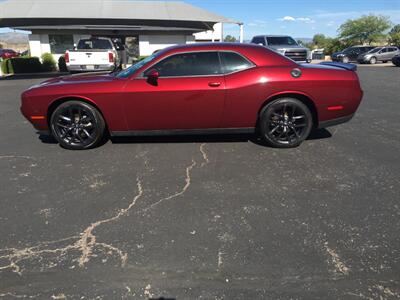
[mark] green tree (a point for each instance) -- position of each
(365, 30)
(320, 40)
(394, 35)
(230, 39)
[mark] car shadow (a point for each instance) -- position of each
(316, 134)
(215, 138)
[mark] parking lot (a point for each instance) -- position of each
(221, 217)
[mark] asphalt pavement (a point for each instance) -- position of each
(221, 217)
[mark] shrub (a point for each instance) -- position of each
(21, 65)
(48, 62)
(6, 66)
(62, 66)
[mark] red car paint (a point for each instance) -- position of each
(8, 53)
(201, 102)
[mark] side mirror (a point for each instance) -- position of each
(152, 76)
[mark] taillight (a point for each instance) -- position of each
(66, 57)
(110, 57)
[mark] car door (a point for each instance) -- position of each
(244, 91)
(354, 54)
(382, 55)
(391, 53)
(189, 93)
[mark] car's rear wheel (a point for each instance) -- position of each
(372, 61)
(285, 123)
(77, 125)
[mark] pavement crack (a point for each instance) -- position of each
(204, 153)
(220, 259)
(177, 194)
(340, 267)
(187, 179)
(85, 243)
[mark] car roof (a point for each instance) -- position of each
(259, 55)
(272, 35)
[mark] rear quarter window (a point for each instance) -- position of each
(234, 62)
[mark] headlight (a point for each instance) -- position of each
(281, 51)
(308, 54)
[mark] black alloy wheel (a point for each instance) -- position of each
(285, 123)
(77, 125)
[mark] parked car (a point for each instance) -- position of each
(94, 54)
(383, 54)
(197, 89)
(285, 45)
(396, 60)
(8, 53)
(350, 54)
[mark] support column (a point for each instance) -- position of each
(241, 36)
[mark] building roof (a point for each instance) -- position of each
(17, 13)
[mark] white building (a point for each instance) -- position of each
(143, 26)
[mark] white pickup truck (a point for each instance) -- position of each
(94, 54)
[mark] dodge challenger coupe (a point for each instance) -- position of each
(197, 89)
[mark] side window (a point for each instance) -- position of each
(258, 40)
(233, 62)
(384, 50)
(189, 64)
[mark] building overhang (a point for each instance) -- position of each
(169, 14)
(109, 30)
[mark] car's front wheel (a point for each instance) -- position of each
(285, 123)
(77, 125)
(373, 60)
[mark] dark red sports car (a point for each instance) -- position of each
(197, 88)
(8, 53)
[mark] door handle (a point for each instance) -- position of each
(214, 84)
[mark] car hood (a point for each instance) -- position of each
(365, 54)
(80, 78)
(276, 47)
(338, 53)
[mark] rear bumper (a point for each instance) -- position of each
(334, 122)
(85, 68)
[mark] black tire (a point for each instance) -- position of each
(372, 60)
(77, 125)
(285, 123)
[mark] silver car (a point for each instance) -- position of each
(383, 54)
(284, 45)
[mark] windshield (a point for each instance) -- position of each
(94, 44)
(348, 50)
(132, 69)
(281, 40)
(374, 50)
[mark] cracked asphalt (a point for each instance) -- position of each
(204, 217)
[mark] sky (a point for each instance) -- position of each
(298, 18)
